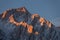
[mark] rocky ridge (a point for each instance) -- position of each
(19, 24)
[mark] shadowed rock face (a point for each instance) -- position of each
(19, 24)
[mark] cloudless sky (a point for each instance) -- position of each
(49, 9)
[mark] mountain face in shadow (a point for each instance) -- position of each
(19, 24)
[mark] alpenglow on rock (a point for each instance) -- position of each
(19, 24)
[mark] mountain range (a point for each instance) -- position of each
(20, 24)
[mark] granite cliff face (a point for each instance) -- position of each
(19, 24)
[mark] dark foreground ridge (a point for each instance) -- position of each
(19, 24)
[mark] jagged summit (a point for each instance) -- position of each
(22, 9)
(17, 12)
(11, 11)
(19, 24)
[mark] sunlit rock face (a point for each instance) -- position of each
(19, 24)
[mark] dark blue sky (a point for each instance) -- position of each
(49, 9)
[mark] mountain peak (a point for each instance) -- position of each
(11, 13)
(16, 12)
(19, 24)
(22, 9)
